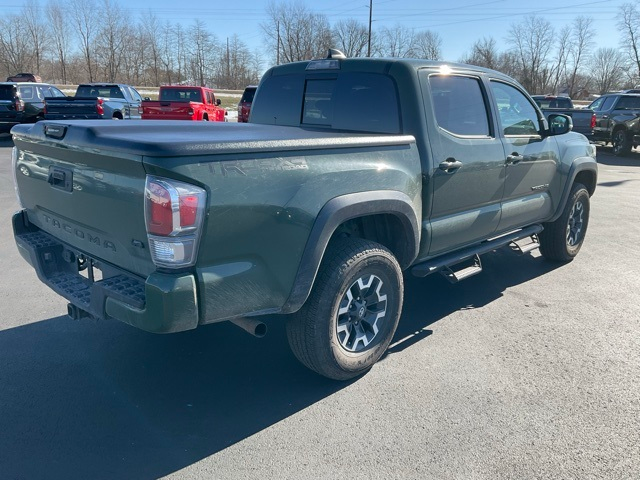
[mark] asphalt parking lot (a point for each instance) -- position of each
(530, 370)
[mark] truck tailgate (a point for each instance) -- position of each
(167, 110)
(71, 107)
(7, 110)
(89, 199)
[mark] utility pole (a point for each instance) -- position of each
(370, 15)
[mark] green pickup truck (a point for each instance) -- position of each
(351, 172)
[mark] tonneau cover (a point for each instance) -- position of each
(177, 138)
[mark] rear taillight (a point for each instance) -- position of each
(99, 107)
(19, 105)
(190, 112)
(593, 120)
(174, 213)
(140, 110)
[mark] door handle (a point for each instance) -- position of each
(514, 158)
(450, 165)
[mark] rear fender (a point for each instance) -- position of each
(339, 210)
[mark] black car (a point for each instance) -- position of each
(618, 121)
(23, 102)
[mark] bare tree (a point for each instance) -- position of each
(559, 70)
(295, 33)
(85, 22)
(397, 42)
(37, 31)
(59, 24)
(581, 42)
(629, 23)
(351, 37)
(607, 67)
(427, 45)
(202, 53)
(15, 51)
(484, 53)
(151, 31)
(532, 41)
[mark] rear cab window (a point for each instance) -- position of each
(363, 102)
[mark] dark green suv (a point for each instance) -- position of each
(23, 102)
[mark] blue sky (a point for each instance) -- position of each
(458, 22)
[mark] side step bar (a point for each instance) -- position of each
(445, 263)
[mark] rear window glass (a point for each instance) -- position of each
(559, 102)
(27, 93)
(6, 92)
(96, 91)
(181, 95)
(351, 101)
(459, 105)
(247, 96)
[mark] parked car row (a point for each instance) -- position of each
(29, 101)
(23, 102)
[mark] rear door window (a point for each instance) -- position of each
(459, 105)
(6, 92)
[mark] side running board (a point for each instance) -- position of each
(457, 266)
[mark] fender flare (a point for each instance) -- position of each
(585, 164)
(339, 210)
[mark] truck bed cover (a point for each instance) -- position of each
(175, 138)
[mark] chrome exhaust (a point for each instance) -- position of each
(249, 325)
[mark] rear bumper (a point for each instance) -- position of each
(161, 303)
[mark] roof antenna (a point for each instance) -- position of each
(335, 53)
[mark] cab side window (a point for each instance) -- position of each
(459, 105)
(518, 116)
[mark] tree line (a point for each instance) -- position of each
(79, 41)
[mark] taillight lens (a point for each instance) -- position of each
(19, 105)
(174, 213)
(99, 107)
(593, 120)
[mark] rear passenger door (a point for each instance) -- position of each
(467, 176)
(531, 160)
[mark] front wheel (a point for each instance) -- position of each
(562, 239)
(621, 142)
(352, 313)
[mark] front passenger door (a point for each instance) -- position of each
(531, 160)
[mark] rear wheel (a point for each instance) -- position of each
(352, 312)
(562, 239)
(621, 142)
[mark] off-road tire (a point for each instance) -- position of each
(621, 142)
(319, 332)
(562, 239)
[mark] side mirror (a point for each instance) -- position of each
(218, 101)
(559, 124)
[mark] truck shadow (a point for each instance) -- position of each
(103, 400)
(605, 156)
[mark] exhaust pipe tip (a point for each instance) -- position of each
(254, 327)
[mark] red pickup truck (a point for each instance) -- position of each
(178, 102)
